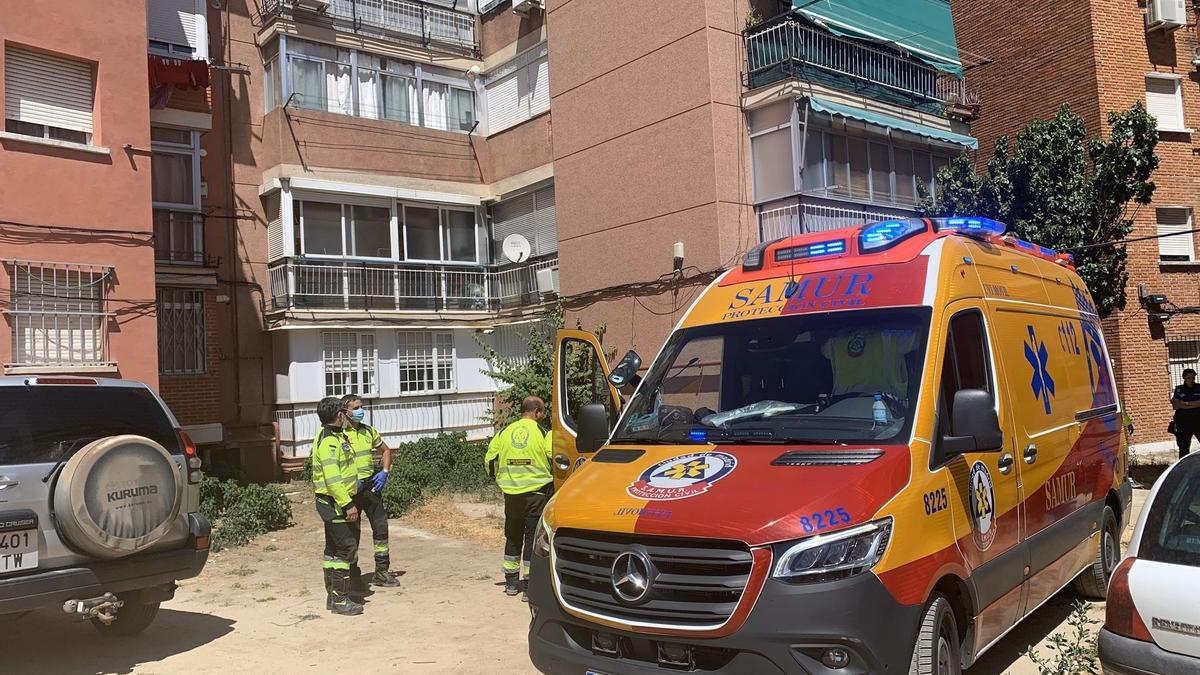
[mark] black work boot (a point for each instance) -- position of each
(384, 578)
(358, 584)
(510, 585)
(339, 601)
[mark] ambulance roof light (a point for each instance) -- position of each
(884, 234)
(974, 225)
(753, 260)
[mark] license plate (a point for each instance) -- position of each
(18, 541)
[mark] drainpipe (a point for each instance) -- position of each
(231, 242)
(441, 416)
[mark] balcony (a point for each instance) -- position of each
(792, 48)
(802, 218)
(179, 239)
(308, 284)
(431, 26)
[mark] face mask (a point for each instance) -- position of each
(358, 415)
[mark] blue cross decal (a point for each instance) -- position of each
(1037, 356)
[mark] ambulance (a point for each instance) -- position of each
(866, 450)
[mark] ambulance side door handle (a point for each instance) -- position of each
(1030, 454)
(1005, 463)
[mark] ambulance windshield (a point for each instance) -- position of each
(835, 378)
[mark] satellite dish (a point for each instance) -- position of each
(516, 248)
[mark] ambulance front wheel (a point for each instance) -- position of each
(939, 649)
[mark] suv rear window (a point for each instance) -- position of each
(41, 424)
(1172, 533)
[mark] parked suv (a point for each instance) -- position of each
(99, 500)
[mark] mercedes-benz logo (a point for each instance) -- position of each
(632, 574)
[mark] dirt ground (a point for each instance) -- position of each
(261, 609)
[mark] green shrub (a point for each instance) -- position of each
(1073, 651)
(240, 513)
(430, 466)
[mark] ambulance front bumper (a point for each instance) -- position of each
(788, 630)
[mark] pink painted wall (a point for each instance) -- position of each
(77, 191)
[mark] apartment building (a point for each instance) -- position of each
(722, 125)
(76, 235)
(1101, 56)
(390, 203)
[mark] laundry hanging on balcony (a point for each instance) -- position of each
(922, 28)
(167, 74)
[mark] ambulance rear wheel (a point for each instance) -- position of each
(1092, 583)
(938, 650)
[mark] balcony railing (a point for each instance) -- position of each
(362, 286)
(792, 48)
(431, 25)
(793, 219)
(179, 239)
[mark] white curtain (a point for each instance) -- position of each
(337, 86)
(435, 104)
(368, 93)
(398, 96)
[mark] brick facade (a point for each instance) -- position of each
(1095, 56)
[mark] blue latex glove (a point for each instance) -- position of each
(378, 480)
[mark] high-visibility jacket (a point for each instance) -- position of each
(334, 473)
(522, 457)
(364, 439)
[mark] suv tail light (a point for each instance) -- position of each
(1120, 614)
(195, 475)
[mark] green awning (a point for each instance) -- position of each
(922, 28)
(887, 121)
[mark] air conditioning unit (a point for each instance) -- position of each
(524, 6)
(1165, 14)
(318, 6)
(547, 280)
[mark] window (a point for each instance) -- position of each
(350, 362)
(1174, 228)
(47, 96)
(1172, 532)
(57, 314)
(518, 90)
(1165, 102)
(176, 28)
(181, 339)
(458, 229)
(421, 233)
(848, 166)
(350, 230)
(352, 82)
(424, 233)
(965, 365)
(174, 168)
(1182, 353)
(178, 237)
(426, 362)
(584, 382)
(531, 215)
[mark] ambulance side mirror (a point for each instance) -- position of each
(593, 428)
(974, 426)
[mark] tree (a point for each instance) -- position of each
(1056, 187)
(534, 374)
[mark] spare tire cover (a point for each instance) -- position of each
(117, 496)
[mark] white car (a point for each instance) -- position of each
(1152, 619)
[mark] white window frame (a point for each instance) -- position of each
(442, 354)
(1189, 237)
(190, 150)
(183, 310)
(1178, 80)
(364, 361)
(443, 257)
(346, 208)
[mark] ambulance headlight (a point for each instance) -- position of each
(838, 555)
(541, 540)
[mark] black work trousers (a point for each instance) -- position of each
(373, 510)
(1184, 432)
(341, 546)
(521, 515)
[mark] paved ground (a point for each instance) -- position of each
(260, 609)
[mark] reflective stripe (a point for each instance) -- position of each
(381, 548)
(338, 520)
(335, 565)
(525, 568)
(511, 567)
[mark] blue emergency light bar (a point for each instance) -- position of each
(698, 435)
(971, 225)
(882, 235)
(815, 250)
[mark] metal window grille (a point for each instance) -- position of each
(1182, 353)
(181, 338)
(57, 314)
(350, 361)
(426, 362)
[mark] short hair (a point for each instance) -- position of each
(350, 398)
(1188, 371)
(532, 404)
(328, 409)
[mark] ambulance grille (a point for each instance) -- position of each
(697, 583)
(827, 458)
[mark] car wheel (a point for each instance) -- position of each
(132, 619)
(938, 650)
(1092, 583)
